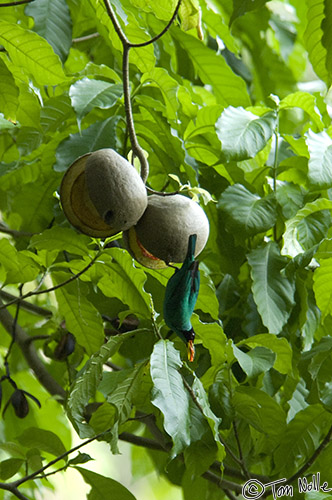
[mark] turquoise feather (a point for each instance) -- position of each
(181, 296)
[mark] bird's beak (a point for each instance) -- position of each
(191, 350)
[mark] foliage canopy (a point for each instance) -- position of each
(232, 106)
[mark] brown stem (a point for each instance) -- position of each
(13, 490)
(28, 306)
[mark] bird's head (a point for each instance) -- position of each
(189, 335)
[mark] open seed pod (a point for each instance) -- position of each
(161, 235)
(77, 205)
(115, 188)
(102, 194)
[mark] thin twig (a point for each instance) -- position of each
(127, 45)
(239, 447)
(85, 38)
(13, 232)
(13, 4)
(28, 306)
(53, 288)
(13, 490)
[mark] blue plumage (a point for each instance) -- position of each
(181, 296)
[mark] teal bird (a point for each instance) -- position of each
(180, 298)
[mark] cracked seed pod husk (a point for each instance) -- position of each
(115, 189)
(161, 235)
(102, 194)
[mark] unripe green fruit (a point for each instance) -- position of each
(164, 229)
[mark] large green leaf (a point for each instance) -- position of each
(305, 101)
(102, 134)
(61, 239)
(55, 112)
(273, 292)
(82, 318)
(280, 346)
(87, 93)
(104, 488)
(301, 438)
(8, 92)
(44, 440)
(32, 53)
(213, 70)
(313, 38)
(240, 7)
(261, 411)
(258, 360)
(169, 394)
(320, 149)
(292, 246)
(243, 134)
(120, 278)
(53, 22)
(248, 213)
(87, 382)
(322, 281)
(160, 78)
(122, 395)
(19, 267)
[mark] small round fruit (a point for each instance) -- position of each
(115, 188)
(76, 203)
(161, 235)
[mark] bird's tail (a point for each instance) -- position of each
(191, 247)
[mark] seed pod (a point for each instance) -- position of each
(20, 403)
(76, 203)
(161, 235)
(65, 347)
(115, 188)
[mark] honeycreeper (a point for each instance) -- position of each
(181, 296)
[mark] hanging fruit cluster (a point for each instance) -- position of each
(102, 194)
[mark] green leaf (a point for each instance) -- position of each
(247, 213)
(319, 166)
(32, 54)
(305, 101)
(86, 94)
(213, 70)
(9, 467)
(61, 239)
(322, 287)
(261, 411)
(213, 421)
(122, 396)
(52, 22)
(313, 38)
(54, 114)
(85, 385)
(8, 92)
(169, 394)
(160, 78)
(19, 266)
(292, 246)
(243, 134)
(82, 318)
(280, 346)
(104, 488)
(301, 438)
(240, 7)
(273, 292)
(258, 360)
(121, 279)
(98, 136)
(44, 440)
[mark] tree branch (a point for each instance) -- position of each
(13, 4)
(28, 306)
(56, 287)
(312, 459)
(10, 487)
(31, 356)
